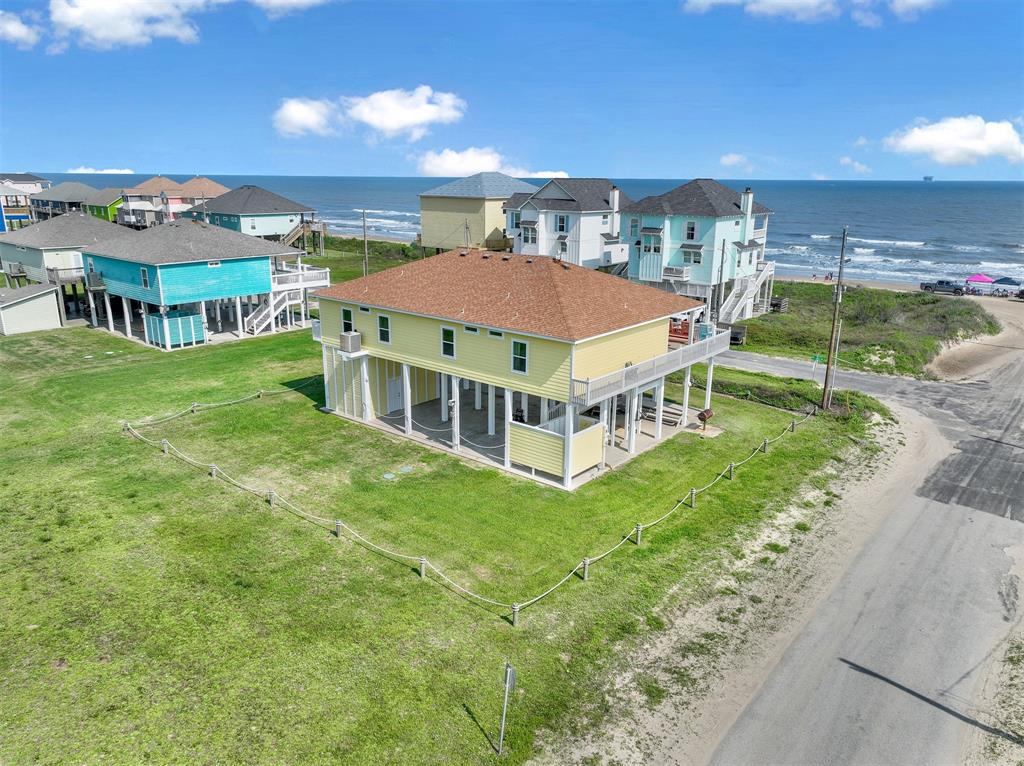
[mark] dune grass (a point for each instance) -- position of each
(882, 331)
(151, 613)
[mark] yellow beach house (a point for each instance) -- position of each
(540, 367)
(468, 212)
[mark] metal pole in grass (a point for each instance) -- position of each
(510, 684)
(586, 569)
(764, 445)
(337, 528)
(423, 567)
(164, 445)
(639, 530)
(693, 497)
(732, 469)
(515, 615)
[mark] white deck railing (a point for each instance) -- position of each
(294, 275)
(593, 390)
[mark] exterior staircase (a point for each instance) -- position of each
(271, 306)
(744, 290)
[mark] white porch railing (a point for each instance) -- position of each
(288, 276)
(593, 390)
(676, 273)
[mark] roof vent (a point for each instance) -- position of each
(505, 258)
(486, 256)
(462, 253)
(529, 260)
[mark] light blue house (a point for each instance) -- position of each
(182, 283)
(255, 211)
(703, 240)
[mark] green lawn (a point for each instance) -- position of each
(883, 330)
(344, 256)
(151, 613)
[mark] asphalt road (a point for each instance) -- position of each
(888, 669)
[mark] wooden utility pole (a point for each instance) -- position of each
(366, 249)
(837, 299)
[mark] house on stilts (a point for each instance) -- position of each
(543, 368)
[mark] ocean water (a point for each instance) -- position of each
(906, 231)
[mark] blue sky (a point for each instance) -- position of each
(877, 89)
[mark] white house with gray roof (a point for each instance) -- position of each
(27, 309)
(706, 241)
(27, 183)
(574, 219)
(468, 212)
(255, 211)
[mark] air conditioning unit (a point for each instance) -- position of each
(351, 342)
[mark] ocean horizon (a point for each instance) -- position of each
(903, 231)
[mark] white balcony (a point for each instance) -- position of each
(291, 276)
(586, 393)
(676, 274)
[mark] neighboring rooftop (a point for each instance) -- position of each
(576, 194)
(103, 197)
(154, 187)
(250, 200)
(490, 185)
(7, 190)
(185, 241)
(22, 178)
(700, 197)
(519, 293)
(202, 187)
(11, 295)
(71, 230)
(69, 191)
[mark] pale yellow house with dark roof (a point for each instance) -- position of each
(537, 366)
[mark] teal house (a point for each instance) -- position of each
(705, 241)
(255, 211)
(185, 283)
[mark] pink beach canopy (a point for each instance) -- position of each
(980, 278)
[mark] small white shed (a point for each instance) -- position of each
(25, 309)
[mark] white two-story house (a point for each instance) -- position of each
(574, 219)
(706, 241)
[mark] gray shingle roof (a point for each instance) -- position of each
(103, 197)
(251, 200)
(71, 230)
(585, 194)
(12, 295)
(185, 240)
(488, 185)
(702, 196)
(69, 191)
(21, 177)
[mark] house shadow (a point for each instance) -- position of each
(311, 387)
(1010, 736)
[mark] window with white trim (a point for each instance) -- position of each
(515, 217)
(563, 247)
(383, 328)
(529, 235)
(692, 257)
(365, 309)
(691, 230)
(561, 223)
(448, 342)
(652, 243)
(470, 329)
(495, 333)
(347, 325)
(144, 273)
(604, 219)
(634, 227)
(213, 264)
(520, 354)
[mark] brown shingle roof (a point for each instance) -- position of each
(201, 186)
(521, 293)
(154, 186)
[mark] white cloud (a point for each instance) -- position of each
(299, 116)
(275, 8)
(864, 15)
(960, 140)
(909, 9)
(854, 165)
(103, 171)
(861, 142)
(819, 176)
(13, 29)
(400, 112)
(800, 10)
(449, 162)
(734, 160)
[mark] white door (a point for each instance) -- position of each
(394, 394)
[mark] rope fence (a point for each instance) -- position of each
(274, 499)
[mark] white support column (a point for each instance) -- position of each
(691, 330)
(456, 394)
(543, 410)
(304, 309)
(273, 314)
(613, 419)
(216, 314)
(204, 315)
(407, 399)
(603, 417)
(686, 398)
(508, 427)
(327, 383)
(444, 397)
(110, 314)
(465, 384)
(477, 395)
(145, 327)
(238, 316)
(364, 375)
(707, 388)
(490, 410)
(93, 320)
(525, 404)
(659, 407)
(570, 422)
(634, 399)
(167, 328)
(127, 308)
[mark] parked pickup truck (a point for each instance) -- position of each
(943, 286)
